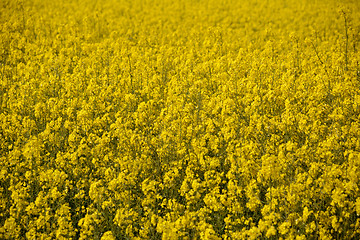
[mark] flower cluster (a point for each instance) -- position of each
(159, 119)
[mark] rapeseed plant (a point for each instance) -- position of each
(179, 120)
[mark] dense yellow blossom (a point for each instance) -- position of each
(159, 119)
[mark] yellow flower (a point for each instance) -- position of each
(271, 232)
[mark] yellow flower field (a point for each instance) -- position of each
(185, 119)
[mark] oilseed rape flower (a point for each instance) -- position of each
(179, 119)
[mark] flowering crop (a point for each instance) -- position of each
(159, 119)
